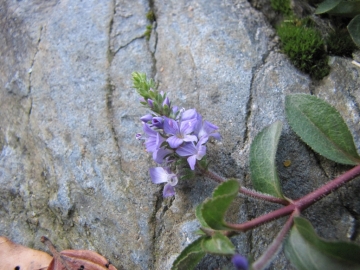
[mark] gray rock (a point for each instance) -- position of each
(70, 167)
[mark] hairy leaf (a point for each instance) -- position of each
(354, 29)
(339, 8)
(199, 216)
(262, 160)
(213, 209)
(307, 251)
(326, 6)
(321, 126)
(218, 244)
(190, 256)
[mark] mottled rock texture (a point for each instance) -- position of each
(70, 167)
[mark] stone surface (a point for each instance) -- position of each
(70, 167)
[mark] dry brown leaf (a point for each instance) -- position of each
(76, 259)
(18, 257)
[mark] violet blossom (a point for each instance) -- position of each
(153, 144)
(164, 175)
(240, 262)
(192, 152)
(180, 132)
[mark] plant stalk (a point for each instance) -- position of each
(300, 204)
(274, 247)
(246, 191)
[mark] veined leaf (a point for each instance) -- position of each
(199, 216)
(218, 244)
(321, 126)
(262, 161)
(339, 8)
(229, 187)
(213, 209)
(307, 251)
(326, 6)
(354, 29)
(190, 256)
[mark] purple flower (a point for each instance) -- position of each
(158, 122)
(166, 102)
(192, 151)
(164, 175)
(180, 133)
(138, 136)
(240, 262)
(152, 139)
(150, 102)
(153, 144)
(189, 114)
(206, 130)
(146, 118)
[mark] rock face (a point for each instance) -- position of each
(70, 167)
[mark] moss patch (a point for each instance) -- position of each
(305, 48)
(283, 6)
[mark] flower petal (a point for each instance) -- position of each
(192, 161)
(168, 191)
(146, 118)
(174, 141)
(186, 127)
(186, 149)
(158, 175)
(189, 114)
(201, 151)
(160, 154)
(190, 138)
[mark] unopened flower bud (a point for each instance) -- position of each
(146, 118)
(158, 122)
(240, 262)
(138, 136)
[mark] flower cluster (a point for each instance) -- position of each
(171, 134)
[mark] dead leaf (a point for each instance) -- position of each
(17, 257)
(76, 259)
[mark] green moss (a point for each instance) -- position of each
(305, 48)
(283, 6)
(339, 42)
(147, 33)
(150, 16)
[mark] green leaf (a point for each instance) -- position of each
(321, 126)
(354, 29)
(339, 8)
(262, 160)
(199, 216)
(143, 85)
(326, 6)
(213, 209)
(218, 244)
(190, 256)
(307, 251)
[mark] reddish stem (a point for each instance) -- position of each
(300, 204)
(274, 247)
(246, 191)
(261, 196)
